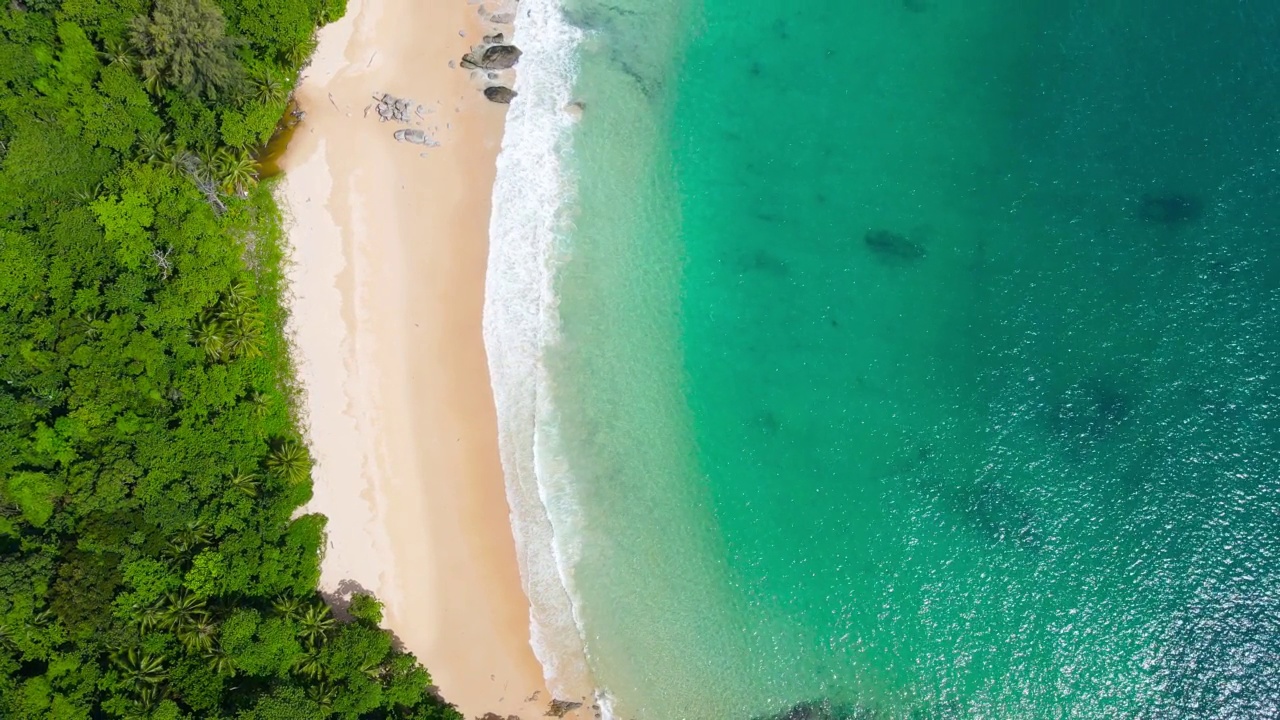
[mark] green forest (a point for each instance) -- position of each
(153, 559)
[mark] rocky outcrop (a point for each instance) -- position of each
(492, 61)
(500, 57)
(495, 57)
(500, 94)
(560, 708)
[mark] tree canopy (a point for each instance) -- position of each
(184, 44)
(153, 563)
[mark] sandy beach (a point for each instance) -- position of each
(389, 253)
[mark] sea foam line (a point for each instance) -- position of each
(521, 322)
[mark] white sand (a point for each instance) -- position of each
(389, 248)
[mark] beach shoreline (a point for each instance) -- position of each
(389, 248)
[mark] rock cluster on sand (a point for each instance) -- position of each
(395, 109)
(491, 63)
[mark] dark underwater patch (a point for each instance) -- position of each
(894, 247)
(1170, 208)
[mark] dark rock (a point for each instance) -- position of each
(469, 62)
(495, 39)
(889, 245)
(500, 94)
(500, 57)
(560, 708)
(1170, 208)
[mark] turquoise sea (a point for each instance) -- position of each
(918, 358)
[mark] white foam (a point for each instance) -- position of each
(532, 191)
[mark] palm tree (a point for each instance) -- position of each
(198, 634)
(219, 662)
(243, 329)
(7, 637)
(299, 52)
(323, 694)
(371, 667)
(308, 664)
(239, 293)
(195, 534)
(156, 149)
(236, 171)
(246, 483)
(148, 697)
(314, 623)
(290, 462)
(210, 336)
(177, 163)
(141, 669)
(290, 606)
(88, 193)
(266, 88)
(182, 610)
(86, 324)
(116, 52)
(150, 617)
(261, 403)
(152, 78)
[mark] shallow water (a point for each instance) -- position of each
(920, 356)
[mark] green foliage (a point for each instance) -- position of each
(365, 607)
(184, 45)
(126, 222)
(33, 493)
(153, 560)
(289, 461)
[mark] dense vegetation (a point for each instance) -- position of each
(152, 560)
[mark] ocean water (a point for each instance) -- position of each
(917, 357)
